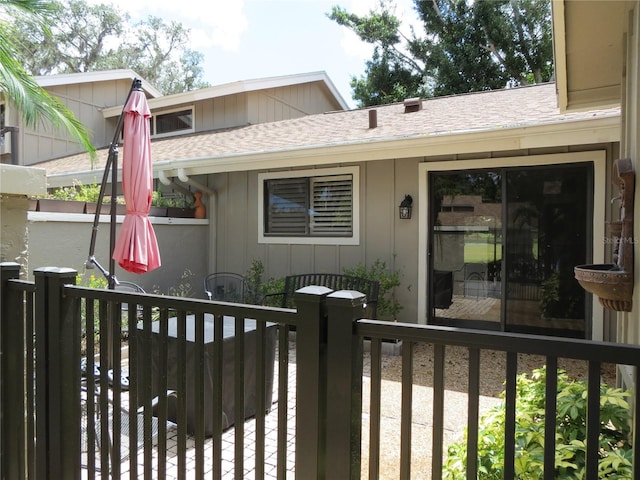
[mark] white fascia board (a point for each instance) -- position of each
(102, 76)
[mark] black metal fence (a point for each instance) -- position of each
(76, 404)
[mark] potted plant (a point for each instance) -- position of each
(157, 209)
(89, 194)
(177, 206)
(63, 199)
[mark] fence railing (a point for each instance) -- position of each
(185, 383)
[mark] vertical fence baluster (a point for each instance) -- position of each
(12, 337)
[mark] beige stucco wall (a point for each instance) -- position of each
(16, 185)
(62, 240)
(13, 243)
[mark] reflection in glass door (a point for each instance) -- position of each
(466, 250)
(547, 235)
(503, 244)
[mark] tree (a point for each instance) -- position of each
(100, 37)
(32, 102)
(466, 46)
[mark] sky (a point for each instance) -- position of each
(250, 39)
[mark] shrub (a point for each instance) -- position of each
(615, 452)
(388, 305)
(257, 288)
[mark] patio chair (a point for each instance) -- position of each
(475, 275)
(92, 428)
(225, 287)
(125, 286)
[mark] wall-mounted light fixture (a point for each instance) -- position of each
(405, 207)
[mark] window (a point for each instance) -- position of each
(172, 122)
(309, 205)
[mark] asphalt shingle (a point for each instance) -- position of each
(442, 116)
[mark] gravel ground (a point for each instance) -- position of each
(492, 368)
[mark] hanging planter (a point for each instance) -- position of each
(613, 282)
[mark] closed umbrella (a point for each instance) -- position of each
(136, 249)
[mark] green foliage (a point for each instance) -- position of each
(185, 287)
(561, 296)
(78, 191)
(615, 451)
(257, 288)
(84, 38)
(92, 281)
(173, 201)
(34, 105)
(466, 46)
(388, 305)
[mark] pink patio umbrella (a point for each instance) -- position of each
(136, 249)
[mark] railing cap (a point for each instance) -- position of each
(357, 298)
(54, 271)
(314, 290)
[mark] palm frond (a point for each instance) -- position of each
(34, 104)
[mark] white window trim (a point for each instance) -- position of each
(353, 240)
(154, 116)
(597, 157)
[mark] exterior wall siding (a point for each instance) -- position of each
(384, 236)
(287, 102)
(86, 101)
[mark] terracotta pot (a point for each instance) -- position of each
(613, 286)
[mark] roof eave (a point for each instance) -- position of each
(579, 132)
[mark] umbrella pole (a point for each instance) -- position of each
(110, 167)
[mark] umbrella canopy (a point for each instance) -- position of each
(136, 249)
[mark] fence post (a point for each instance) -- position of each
(57, 332)
(344, 377)
(12, 377)
(311, 386)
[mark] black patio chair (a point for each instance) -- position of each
(225, 287)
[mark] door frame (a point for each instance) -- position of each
(597, 157)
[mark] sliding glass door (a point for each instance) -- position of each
(503, 244)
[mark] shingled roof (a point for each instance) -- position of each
(347, 136)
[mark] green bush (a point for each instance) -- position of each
(615, 451)
(388, 305)
(257, 288)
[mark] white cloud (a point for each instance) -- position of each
(353, 46)
(221, 26)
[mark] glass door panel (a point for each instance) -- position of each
(546, 236)
(466, 248)
(503, 244)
